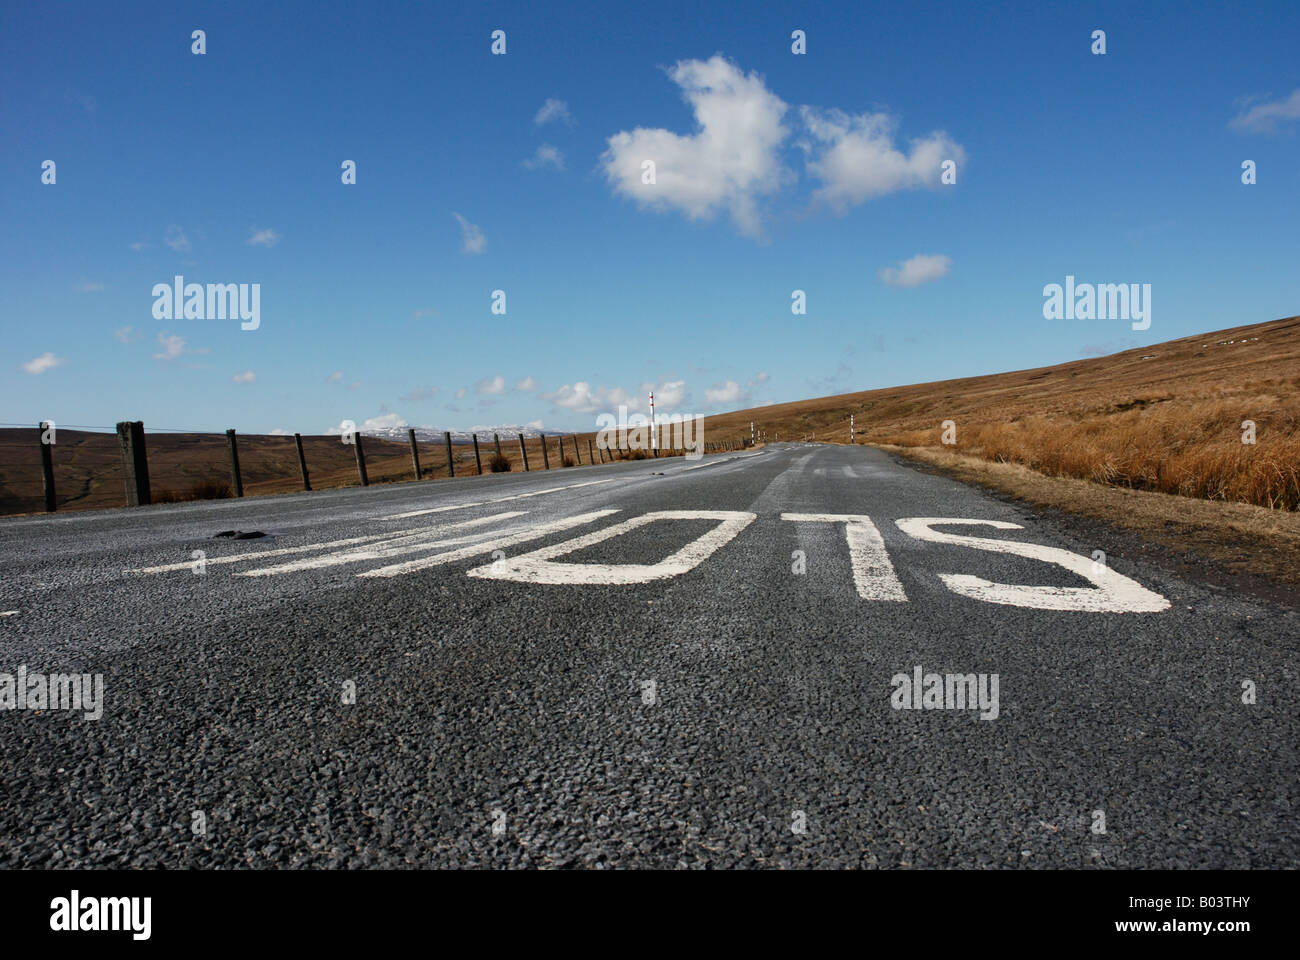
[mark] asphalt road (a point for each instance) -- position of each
(712, 688)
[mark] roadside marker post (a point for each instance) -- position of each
(302, 461)
(232, 452)
(47, 468)
(415, 452)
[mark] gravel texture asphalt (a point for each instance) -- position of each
(731, 713)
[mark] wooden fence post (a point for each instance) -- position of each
(135, 464)
(451, 466)
(561, 442)
(47, 467)
(302, 462)
(546, 460)
(361, 459)
(523, 451)
(496, 438)
(591, 457)
(232, 453)
(477, 462)
(415, 451)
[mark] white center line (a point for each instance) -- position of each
(536, 533)
(746, 456)
(480, 503)
(386, 548)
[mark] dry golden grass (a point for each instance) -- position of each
(1166, 418)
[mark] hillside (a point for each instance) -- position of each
(1166, 418)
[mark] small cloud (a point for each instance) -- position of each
(922, 268)
(423, 314)
(88, 287)
(553, 110)
(546, 156)
(460, 394)
(140, 245)
(1268, 117)
(334, 377)
(728, 392)
(174, 346)
(176, 239)
(389, 421)
(858, 158)
(419, 394)
(46, 361)
(263, 238)
(490, 385)
(127, 335)
(527, 385)
(248, 376)
(471, 236)
(281, 432)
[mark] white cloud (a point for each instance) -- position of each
(281, 432)
(762, 377)
(140, 245)
(176, 239)
(669, 395)
(471, 236)
(527, 384)
(727, 392)
(174, 346)
(460, 393)
(248, 376)
(389, 421)
(1268, 117)
(491, 385)
(727, 164)
(126, 334)
(546, 156)
(46, 361)
(920, 269)
(89, 287)
(856, 159)
(334, 377)
(553, 109)
(263, 238)
(581, 398)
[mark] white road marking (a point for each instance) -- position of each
(873, 573)
(284, 551)
(393, 547)
(481, 503)
(539, 566)
(848, 472)
(714, 463)
(7, 613)
(1113, 593)
(533, 533)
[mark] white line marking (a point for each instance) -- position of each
(283, 551)
(873, 573)
(539, 566)
(387, 548)
(7, 613)
(848, 472)
(480, 503)
(1113, 593)
(534, 533)
(714, 463)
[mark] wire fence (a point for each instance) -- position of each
(75, 466)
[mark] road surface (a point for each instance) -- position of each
(774, 658)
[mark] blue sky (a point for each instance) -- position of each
(775, 172)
